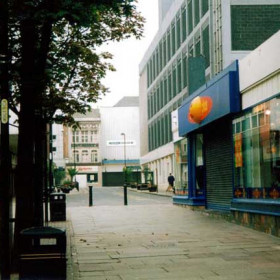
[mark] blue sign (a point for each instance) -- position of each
(216, 99)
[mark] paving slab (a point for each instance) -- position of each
(147, 242)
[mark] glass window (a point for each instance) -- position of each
(174, 82)
(94, 156)
(199, 164)
(190, 17)
(257, 152)
(184, 24)
(196, 13)
(75, 136)
(76, 156)
(178, 32)
(173, 35)
(85, 156)
(169, 51)
(179, 75)
(85, 136)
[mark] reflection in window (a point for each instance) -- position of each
(257, 152)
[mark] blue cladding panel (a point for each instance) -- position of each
(224, 92)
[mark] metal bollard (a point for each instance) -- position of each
(125, 194)
(90, 196)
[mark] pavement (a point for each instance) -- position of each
(165, 242)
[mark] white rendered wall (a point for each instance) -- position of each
(117, 120)
(259, 72)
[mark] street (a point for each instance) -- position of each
(113, 196)
(153, 239)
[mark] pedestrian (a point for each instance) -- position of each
(171, 180)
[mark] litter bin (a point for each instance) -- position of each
(42, 253)
(58, 206)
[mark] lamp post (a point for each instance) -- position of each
(124, 185)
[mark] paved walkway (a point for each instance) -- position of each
(167, 243)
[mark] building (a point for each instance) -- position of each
(120, 140)
(256, 140)
(104, 141)
(82, 148)
(196, 41)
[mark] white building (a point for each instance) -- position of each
(196, 40)
(106, 140)
(120, 139)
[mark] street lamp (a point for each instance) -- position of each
(125, 186)
(124, 150)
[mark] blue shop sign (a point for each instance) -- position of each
(216, 99)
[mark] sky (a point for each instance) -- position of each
(127, 57)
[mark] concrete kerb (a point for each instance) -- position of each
(168, 194)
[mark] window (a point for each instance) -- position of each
(190, 16)
(76, 156)
(256, 138)
(184, 24)
(85, 156)
(173, 36)
(94, 156)
(85, 136)
(206, 52)
(178, 32)
(196, 12)
(75, 136)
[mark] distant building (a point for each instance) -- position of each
(119, 123)
(97, 148)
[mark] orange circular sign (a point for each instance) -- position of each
(199, 109)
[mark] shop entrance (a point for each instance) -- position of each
(199, 166)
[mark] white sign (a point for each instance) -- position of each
(84, 169)
(121, 143)
(4, 111)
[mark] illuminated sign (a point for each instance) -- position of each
(199, 109)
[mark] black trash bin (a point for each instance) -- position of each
(58, 206)
(42, 253)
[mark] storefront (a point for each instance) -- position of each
(256, 135)
(205, 119)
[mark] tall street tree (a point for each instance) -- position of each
(56, 66)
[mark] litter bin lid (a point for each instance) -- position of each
(42, 231)
(57, 193)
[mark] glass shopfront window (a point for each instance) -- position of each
(181, 168)
(256, 138)
(199, 165)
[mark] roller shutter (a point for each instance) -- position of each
(218, 156)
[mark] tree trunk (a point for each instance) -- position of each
(24, 181)
(5, 159)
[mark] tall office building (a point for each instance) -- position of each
(196, 40)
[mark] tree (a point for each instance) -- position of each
(55, 65)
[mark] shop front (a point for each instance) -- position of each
(205, 119)
(256, 134)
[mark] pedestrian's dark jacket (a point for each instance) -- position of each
(171, 180)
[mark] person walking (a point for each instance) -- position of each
(171, 180)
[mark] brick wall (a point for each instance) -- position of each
(251, 25)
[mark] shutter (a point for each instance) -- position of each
(219, 165)
(112, 179)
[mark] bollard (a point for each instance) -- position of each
(90, 196)
(125, 194)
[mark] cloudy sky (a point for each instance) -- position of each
(127, 56)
